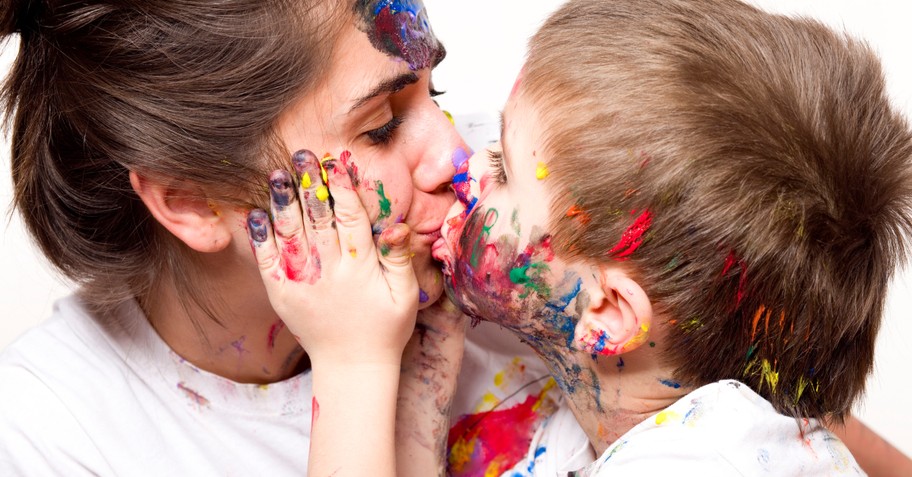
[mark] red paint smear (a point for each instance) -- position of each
(632, 237)
(503, 435)
(273, 331)
(351, 167)
(730, 261)
(291, 259)
(315, 413)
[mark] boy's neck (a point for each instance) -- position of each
(609, 395)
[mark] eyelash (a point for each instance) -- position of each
(495, 159)
(384, 134)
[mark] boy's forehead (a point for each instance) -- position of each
(401, 29)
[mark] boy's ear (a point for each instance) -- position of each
(189, 217)
(618, 317)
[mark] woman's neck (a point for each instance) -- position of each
(248, 343)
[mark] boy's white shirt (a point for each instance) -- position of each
(720, 429)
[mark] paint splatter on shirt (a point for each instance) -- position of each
(724, 428)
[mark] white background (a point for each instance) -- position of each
(486, 42)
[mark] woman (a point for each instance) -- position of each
(142, 132)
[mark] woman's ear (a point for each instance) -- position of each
(618, 316)
(188, 216)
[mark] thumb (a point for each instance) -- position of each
(396, 257)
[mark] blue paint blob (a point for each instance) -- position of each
(670, 383)
(422, 296)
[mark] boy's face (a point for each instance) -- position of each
(496, 245)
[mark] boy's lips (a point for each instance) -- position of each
(439, 249)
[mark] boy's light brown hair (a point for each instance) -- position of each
(747, 168)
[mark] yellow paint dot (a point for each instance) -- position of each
(449, 116)
(541, 172)
(666, 415)
(323, 193)
(499, 379)
(326, 157)
(305, 181)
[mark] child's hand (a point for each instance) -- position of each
(430, 366)
(346, 302)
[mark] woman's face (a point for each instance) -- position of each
(376, 103)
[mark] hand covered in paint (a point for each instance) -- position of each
(430, 366)
(346, 300)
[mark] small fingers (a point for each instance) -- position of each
(291, 241)
(396, 256)
(352, 223)
(315, 200)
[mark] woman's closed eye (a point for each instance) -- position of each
(384, 134)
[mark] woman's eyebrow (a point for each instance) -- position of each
(389, 86)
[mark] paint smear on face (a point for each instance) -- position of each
(462, 180)
(541, 171)
(492, 442)
(422, 296)
(400, 28)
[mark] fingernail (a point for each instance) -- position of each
(257, 221)
(281, 186)
(303, 161)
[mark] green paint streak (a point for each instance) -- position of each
(385, 206)
(384, 249)
(750, 352)
(520, 276)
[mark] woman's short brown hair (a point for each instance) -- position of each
(764, 166)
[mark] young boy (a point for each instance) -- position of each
(692, 218)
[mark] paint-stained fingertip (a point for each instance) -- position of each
(258, 225)
(394, 236)
(303, 161)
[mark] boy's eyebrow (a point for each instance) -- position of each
(389, 86)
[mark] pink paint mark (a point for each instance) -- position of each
(499, 437)
(194, 396)
(273, 332)
(632, 237)
(518, 82)
(315, 413)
